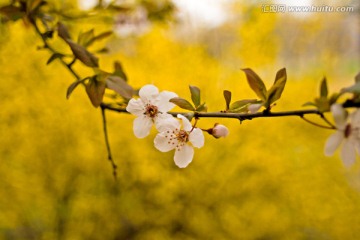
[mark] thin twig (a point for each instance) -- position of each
(250, 116)
(316, 124)
(327, 121)
(196, 120)
(110, 158)
(47, 46)
(71, 63)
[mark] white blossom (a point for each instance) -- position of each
(348, 132)
(150, 108)
(181, 137)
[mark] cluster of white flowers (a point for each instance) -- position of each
(180, 135)
(348, 132)
(151, 108)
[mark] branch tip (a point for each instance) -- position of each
(107, 143)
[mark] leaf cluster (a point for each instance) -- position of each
(95, 85)
(237, 106)
(21, 9)
(197, 106)
(267, 97)
(79, 48)
(33, 13)
(324, 101)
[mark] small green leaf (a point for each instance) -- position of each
(63, 31)
(278, 87)
(202, 108)
(195, 95)
(83, 55)
(34, 4)
(227, 96)
(53, 57)
(72, 87)
(333, 98)
(182, 103)
(85, 37)
(119, 71)
(324, 88)
(95, 90)
(102, 50)
(309, 104)
(242, 105)
(99, 37)
(255, 83)
(120, 86)
(322, 104)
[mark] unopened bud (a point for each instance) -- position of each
(253, 108)
(219, 131)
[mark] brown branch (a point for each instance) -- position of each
(78, 78)
(250, 116)
(239, 116)
(317, 124)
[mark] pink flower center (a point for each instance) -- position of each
(181, 136)
(151, 110)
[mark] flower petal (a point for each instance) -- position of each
(333, 142)
(183, 156)
(196, 138)
(186, 123)
(348, 154)
(163, 101)
(136, 107)
(340, 116)
(142, 126)
(163, 143)
(148, 92)
(165, 122)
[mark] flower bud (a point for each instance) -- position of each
(219, 130)
(253, 108)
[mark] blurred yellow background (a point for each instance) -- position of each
(268, 179)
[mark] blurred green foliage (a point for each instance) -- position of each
(268, 179)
